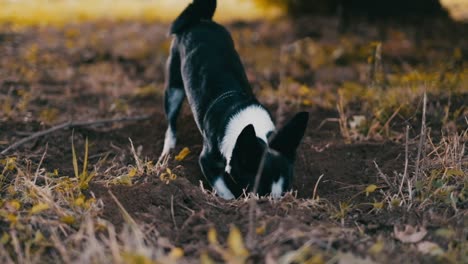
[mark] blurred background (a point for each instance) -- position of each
(27, 12)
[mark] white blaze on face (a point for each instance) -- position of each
(277, 188)
(222, 190)
(255, 115)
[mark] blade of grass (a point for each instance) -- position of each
(75, 161)
(84, 174)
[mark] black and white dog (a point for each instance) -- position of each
(237, 130)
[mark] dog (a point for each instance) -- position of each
(239, 135)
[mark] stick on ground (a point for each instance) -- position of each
(71, 124)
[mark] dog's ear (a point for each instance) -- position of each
(248, 150)
(287, 139)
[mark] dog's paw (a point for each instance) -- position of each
(164, 155)
(222, 190)
(169, 144)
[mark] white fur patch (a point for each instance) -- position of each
(169, 141)
(222, 190)
(255, 115)
(277, 188)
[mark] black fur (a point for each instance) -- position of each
(198, 10)
(204, 65)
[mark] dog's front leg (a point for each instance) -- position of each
(174, 96)
(213, 168)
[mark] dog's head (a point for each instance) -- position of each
(278, 164)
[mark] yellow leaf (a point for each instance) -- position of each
(205, 258)
(370, 189)
(38, 237)
(378, 205)
(130, 257)
(39, 208)
(236, 243)
(453, 172)
(395, 202)
(183, 153)
(79, 201)
(176, 253)
(163, 176)
(5, 238)
(377, 247)
(306, 102)
(317, 259)
(124, 180)
(12, 218)
(132, 172)
(49, 115)
(15, 204)
(261, 230)
(430, 248)
(304, 90)
(10, 163)
(445, 233)
(11, 189)
(68, 219)
(213, 236)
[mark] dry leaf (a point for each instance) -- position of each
(182, 154)
(430, 248)
(176, 253)
(132, 172)
(410, 234)
(213, 236)
(236, 243)
(370, 189)
(39, 208)
(205, 258)
(377, 247)
(378, 205)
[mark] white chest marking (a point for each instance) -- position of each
(255, 115)
(277, 188)
(222, 189)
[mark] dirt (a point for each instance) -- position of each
(104, 82)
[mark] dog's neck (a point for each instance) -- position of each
(255, 115)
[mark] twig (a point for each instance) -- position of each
(71, 124)
(253, 203)
(172, 213)
(327, 120)
(126, 216)
(386, 127)
(314, 195)
(422, 137)
(405, 173)
(135, 156)
(383, 176)
(40, 164)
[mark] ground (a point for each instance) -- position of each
(381, 175)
